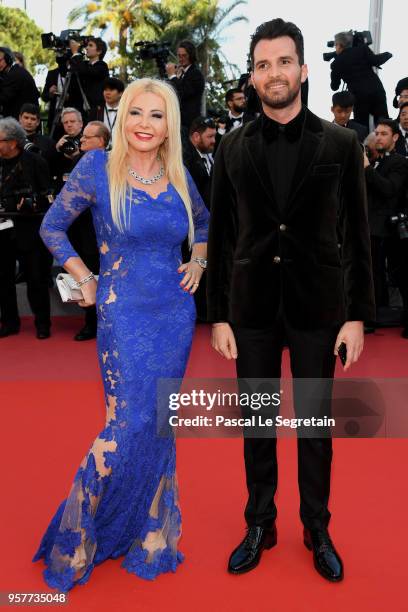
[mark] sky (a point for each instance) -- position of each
(319, 20)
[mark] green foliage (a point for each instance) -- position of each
(201, 21)
(20, 33)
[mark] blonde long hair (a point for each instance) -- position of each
(170, 152)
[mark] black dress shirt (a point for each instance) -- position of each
(281, 144)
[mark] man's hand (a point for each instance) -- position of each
(352, 334)
(223, 341)
(61, 142)
(170, 69)
(53, 90)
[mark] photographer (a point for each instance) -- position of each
(354, 65)
(386, 183)
(24, 183)
(188, 80)
(30, 120)
(81, 233)
(17, 86)
(68, 146)
(91, 73)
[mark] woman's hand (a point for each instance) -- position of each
(191, 279)
(89, 293)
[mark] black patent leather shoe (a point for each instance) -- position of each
(86, 333)
(325, 557)
(9, 330)
(43, 333)
(248, 554)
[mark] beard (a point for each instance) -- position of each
(279, 99)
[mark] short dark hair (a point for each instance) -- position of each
(344, 99)
(403, 106)
(390, 123)
(229, 96)
(113, 83)
(100, 45)
(190, 48)
(200, 124)
(31, 109)
(275, 29)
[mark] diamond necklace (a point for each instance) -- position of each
(147, 181)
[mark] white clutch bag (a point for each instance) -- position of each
(68, 289)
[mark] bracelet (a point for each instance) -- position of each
(201, 261)
(85, 280)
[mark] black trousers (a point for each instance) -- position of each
(36, 262)
(373, 104)
(311, 356)
(379, 248)
(397, 265)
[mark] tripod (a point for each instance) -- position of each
(61, 101)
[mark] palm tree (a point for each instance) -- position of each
(119, 17)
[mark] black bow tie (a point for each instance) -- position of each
(292, 130)
(112, 110)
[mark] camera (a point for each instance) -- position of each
(155, 51)
(31, 147)
(359, 39)
(400, 221)
(71, 145)
(61, 43)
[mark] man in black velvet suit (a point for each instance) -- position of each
(281, 185)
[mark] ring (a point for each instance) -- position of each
(196, 284)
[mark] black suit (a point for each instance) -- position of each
(91, 77)
(197, 168)
(190, 90)
(354, 66)
(199, 173)
(311, 271)
(386, 185)
(401, 145)
(51, 79)
(276, 274)
(360, 130)
(17, 87)
(28, 172)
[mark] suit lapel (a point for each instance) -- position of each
(312, 140)
(256, 153)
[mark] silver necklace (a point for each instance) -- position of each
(147, 181)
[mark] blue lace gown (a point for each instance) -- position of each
(124, 501)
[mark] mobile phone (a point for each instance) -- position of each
(342, 353)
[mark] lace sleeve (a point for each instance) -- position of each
(77, 195)
(200, 213)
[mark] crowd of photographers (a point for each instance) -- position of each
(82, 104)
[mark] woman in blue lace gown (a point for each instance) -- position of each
(123, 501)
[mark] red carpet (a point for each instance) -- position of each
(52, 409)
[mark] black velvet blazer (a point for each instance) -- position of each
(258, 256)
